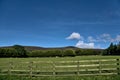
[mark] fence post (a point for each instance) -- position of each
(53, 63)
(78, 68)
(30, 67)
(9, 70)
(100, 67)
(118, 66)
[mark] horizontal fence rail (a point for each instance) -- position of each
(62, 68)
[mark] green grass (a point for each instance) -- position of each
(62, 78)
(19, 62)
(20, 65)
(57, 58)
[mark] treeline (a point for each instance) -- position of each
(19, 51)
(52, 53)
(113, 49)
(63, 53)
(15, 51)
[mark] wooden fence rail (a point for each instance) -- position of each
(63, 68)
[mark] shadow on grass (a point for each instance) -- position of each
(62, 78)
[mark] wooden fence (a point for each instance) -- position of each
(62, 68)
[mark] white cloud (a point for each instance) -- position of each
(105, 35)
(105, 38)
(74, 35)
(81, 44)
(102, 38)
(117, 38)
(91, 39)
(108, 38)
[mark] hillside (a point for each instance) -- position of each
(31, 48)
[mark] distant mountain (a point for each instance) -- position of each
(42, 48)
(30, 48)
(70, 47)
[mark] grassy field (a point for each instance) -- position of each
(21, 62)
(58, 58)
(63, 78)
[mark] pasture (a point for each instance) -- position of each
(59, 68)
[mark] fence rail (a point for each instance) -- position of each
(62, 68)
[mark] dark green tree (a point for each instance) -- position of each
(78, 52)
(69, 52)
(118, 49)
(8, 52)
(113, 49)
(20, 51)
(1, 52)
(110, 50)
(36, 53)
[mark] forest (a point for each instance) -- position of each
(20, 51)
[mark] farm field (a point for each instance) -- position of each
(63, 78)
(57, 58)
(61, 64)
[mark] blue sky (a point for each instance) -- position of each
(58, 23)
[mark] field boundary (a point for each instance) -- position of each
(63, 68)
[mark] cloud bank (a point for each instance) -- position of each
(104, 38)
(81, 44)
(90, 41)
(117, 38)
